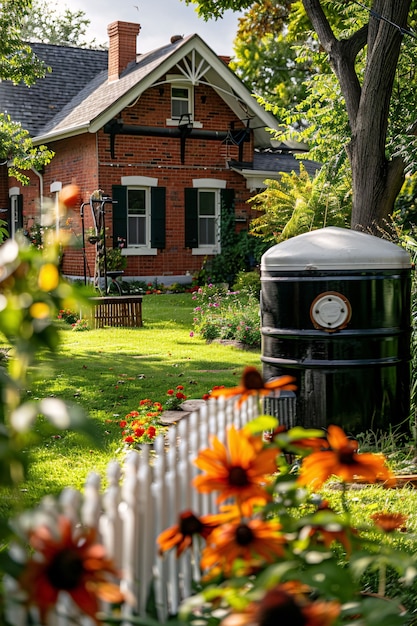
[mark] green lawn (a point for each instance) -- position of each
(107, 372)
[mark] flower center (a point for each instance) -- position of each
(244, 535)
(65, 570)
(252, 379)
(238, 476)
(346, 456)
(190, 525)
(278, 607)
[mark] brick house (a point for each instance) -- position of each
(171, 136)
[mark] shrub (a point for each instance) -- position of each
(68, 316)
(229, 315)
(249, 282)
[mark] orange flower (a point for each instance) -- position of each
(388, 522)
(241, 469)
(286, 603)
(329, 530)
(71, 562)
(181, 535)
(343, 460)
(254, 542)
(252, 384)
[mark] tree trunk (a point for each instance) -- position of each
(376, 181)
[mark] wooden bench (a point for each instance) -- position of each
(117, 311)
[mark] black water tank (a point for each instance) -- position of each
(335, 313)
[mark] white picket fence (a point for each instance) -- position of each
(143, 497)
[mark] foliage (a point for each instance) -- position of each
(80, 325)
(226, 315)
(17, 61)
(361, 96)
(265, 57)
(49, 24)
(114, 260)
(298, 203)
(248, 282)
(70, 317)
(17, 149)
(288, 551)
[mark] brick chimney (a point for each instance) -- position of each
(122, 46)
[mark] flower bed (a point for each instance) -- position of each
(141, 426)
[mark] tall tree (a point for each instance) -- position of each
(17, 61)
(365, 58)
(57, 25)
(18, 64)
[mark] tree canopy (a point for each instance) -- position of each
(363, 102)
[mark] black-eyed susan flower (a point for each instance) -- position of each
(70, 560)
(252, 384)
(254, 542)
(181, 535)
(240, 469)
(388, 522)
(343, 460)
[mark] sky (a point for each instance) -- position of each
(159, 20)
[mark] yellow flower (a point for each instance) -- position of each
(48, 278)
(39, 310)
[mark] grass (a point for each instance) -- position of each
(107, 372)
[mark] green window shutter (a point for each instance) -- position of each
(191, 218)
(158, 228)
(119, 214)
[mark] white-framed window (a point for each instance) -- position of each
(181, 105)
(208, 218)
(203, 215)
(182, 102)
(138, 216)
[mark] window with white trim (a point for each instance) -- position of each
(208, 218)
(181, 105)
(138, 216)
(205, 204)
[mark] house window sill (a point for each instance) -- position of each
(206, 250)
(139, 251)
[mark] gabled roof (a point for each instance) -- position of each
(88, 100)
(73, 69)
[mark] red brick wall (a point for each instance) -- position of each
(86, 160)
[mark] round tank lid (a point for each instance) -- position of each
(334, 248)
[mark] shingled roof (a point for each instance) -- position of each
(72, 69)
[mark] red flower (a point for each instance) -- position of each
(151, 432)
(139, 432)
(206, 396)
(180, 387)
(170, 392)
(129, 439)
(180, 396)
(123, 424)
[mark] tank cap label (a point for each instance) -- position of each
(330, 311)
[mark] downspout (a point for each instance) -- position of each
(39, 175)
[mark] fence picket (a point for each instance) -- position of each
(144, 496)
